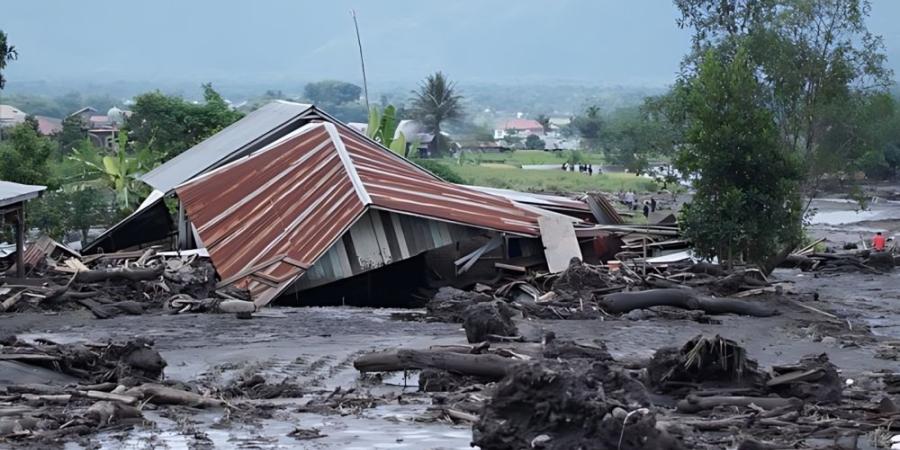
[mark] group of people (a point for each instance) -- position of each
(630, 200)
(587, 169)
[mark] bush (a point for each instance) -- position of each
(441, 170)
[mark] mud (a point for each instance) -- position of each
(569, 404)
(313, 348)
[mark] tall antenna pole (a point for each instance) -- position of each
(362, 61)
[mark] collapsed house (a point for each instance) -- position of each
(290, 200)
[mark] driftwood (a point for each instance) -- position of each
(487, 366)
(622, 302)
(164, 395)
(94, 276)
(694, 404)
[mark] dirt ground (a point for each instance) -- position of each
(315, 348)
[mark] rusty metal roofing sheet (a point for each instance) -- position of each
(242, 137)
(268, 217)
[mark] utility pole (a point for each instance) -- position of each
(362, 61)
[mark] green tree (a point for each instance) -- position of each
(170, 125)
(811, 57)
(544, 121)
(747, 203)
(533, 142)
(24, 155)
(331, 92)
(72, 134)
(382, 128)
(119, 173)
(434, 103)
(58, 212)
(589, 127)
(7, 53)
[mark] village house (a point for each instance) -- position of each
(11, 116)
(518, 127)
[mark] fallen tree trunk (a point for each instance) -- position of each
(695, 404)
(622, 302)
(487, 366)
(93, 276)
(164, 395)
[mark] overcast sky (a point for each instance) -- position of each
(603, 42)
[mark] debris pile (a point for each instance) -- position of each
(568, 395)
(127, 282)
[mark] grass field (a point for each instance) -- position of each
(509, 177)
(525, 157)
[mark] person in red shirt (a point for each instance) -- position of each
(878, 242)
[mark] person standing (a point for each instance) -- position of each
(652, 204)
(878, 242)
(646, 210)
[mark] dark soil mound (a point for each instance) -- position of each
(435, 380)
(485, 319)
(572, 404)
(448, 304)
(814, 379)
(711, 362)
(583, 279)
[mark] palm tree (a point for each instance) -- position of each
(434, 103)
(7, 53)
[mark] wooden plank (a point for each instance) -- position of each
(560, 243)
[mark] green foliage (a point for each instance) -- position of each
(382, 128)
(440, 169)
(433, 104)
(119, 173)
(589, 127)
(512, 138)
(544, 121)
(576, 157)
(73, 132)
(331, 92)
(24, 155)
(533, 142)
(812, 57)
(7, 53)
(747, 203)
(58, 212)
(170, 125)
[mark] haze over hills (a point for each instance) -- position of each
(244, 49)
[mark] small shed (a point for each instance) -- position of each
(12, 207)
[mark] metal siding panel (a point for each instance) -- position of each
(380, 236)
(364, 241)
(399, 233)
(393, 244)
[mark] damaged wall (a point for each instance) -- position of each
(380, 238)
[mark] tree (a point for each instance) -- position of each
(533, 142)
(7, 53)
(811, 57)
(589, 127)
(332, 92)
(382, 128)
(747, 203)
(24, 154)
(58, 212)
(433, 104)
(544, 121)
(72, 134)
(170, 125)
(118, 173)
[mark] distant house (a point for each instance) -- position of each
(519, 127)
(48, 125)
(10, 116)
(557, 123)
(102, 130)
(85, 114)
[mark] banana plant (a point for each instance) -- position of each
(383, 129)
(118, 172)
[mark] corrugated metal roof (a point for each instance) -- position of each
(14, 192)
(240, 138)
(268, 217)
(555, 201)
